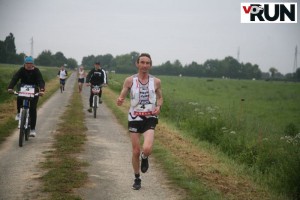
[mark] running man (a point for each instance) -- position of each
(146, 101)
(62, 75)
(81, 75)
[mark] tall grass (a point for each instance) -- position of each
(254, 122)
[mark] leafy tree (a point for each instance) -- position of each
(3, 52)
(125, 64)
(297, 74)
(273, 70)
(193, 69)
(88, 61)
(230, 67)
(45, 58)
(8, 50)
(59, 59)
(211, 68)
(72, 63)
(134, 56)
(10, 44)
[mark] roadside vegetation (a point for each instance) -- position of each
(216, 139)
(8, 102)
(64, 170)
(251, 125)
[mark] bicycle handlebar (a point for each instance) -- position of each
(17, 93)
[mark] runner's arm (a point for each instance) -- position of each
(159, 97)
(126, 87)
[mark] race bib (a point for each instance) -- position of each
(143, 110)
(26, 91)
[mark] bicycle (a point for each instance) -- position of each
(96, 90)
(27, 93)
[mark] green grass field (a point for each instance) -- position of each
(256, 123)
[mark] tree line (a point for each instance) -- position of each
(228, 67)
(8, 54)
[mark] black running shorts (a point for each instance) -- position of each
(80, 80)
(142, 126)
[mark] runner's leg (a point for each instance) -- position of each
(148, 142)
(135, 141)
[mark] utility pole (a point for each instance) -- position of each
(295, 60)
(31, 49)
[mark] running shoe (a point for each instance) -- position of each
(137, 184)
(89, 110)
(144, 164)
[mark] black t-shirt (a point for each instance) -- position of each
(96, 77)
(29, 77)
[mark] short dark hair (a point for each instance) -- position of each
(144, 55)
(97, 63)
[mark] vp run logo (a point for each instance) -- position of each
(269, 12)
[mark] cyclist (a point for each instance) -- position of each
(62, 75)
(97, 76)
(146, 100)
(29, 74)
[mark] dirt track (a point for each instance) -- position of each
(107, 150)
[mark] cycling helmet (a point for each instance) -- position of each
(28, 59)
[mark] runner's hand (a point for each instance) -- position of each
(10, 91)
(120, 101)
(156, 110)
(41, 93)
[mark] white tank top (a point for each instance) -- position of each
(81, 74)
(142, 99)
(62, 74)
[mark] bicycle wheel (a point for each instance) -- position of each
(22, 127)
(95, 105)
(27, 132)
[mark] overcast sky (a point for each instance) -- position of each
(187, 30)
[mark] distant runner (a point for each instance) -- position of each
(81, 75)
(62, 75)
